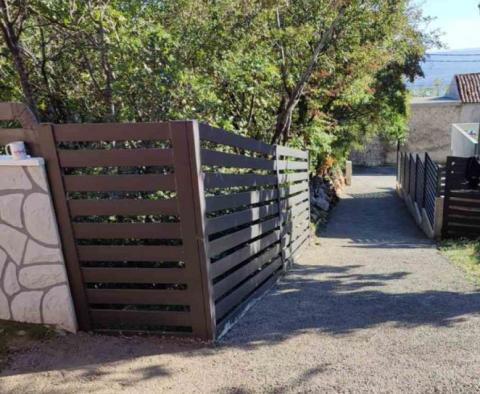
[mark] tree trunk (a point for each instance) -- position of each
(284, 117)
(12, 39)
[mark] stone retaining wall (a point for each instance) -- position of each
(33, 281)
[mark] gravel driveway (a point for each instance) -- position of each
(372, 308)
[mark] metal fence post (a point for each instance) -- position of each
(425, 173)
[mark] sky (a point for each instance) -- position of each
(459, 20)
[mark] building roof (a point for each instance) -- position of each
(468, 87)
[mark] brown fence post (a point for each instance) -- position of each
(19, 112)
(48, 151)
(191, 201)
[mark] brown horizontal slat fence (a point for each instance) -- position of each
(170, 227)
(462, 203)
(256, 198)
(130, 196)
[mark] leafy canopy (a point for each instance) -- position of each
(317, 74)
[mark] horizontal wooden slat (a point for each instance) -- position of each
(300, 221)
(236, 200)
(111, 131)
(129, 253)
(122, 207)
(295, 232)
(465, 194)
(107, 317)
(460, 228)
(234, 298)
(463, 203)
(114, 183)
(293, 177)
(134, 275)
(235, 219)
(296, 246)
(115, 157)
(223, 137)
(224, 323)
(11, 135)
(456, 219)
(232, 280)
(231, 240)
(462, 211)
(292, 152)
(293, 189)
(294, 200)
(221, 159)
(127, 230)
(218, 180)
(233, 259)
(292, 165)
(296, 215)
(296, 209)
(138, 296)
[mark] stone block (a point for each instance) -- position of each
(14, 178)
(41, 276)
(12, 241)
(57, 308)
(10, 281)
(4, 308)
(36, 253)
(25, 307)
(11, 209)
(39, 220)
(39, 176)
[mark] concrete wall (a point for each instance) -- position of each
(373, 154)
(33, 281)
(464, 144)
(430, 124)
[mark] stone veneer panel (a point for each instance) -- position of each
(33, 279)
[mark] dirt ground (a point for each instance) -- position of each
(374, 308)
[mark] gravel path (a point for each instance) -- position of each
(373, 308)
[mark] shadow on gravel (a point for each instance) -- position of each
(343, 302)
(340, 302)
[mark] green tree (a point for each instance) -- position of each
(316, 74)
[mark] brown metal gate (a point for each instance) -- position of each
(169, 227)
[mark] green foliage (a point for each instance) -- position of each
(465, 254)
(233, 64)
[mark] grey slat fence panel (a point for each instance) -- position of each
(420, 181)
(221, 159)
(235, 219)
(420, 177)
(236, 200)
(222, 137)
(412, 176)
(245, 245)
(431, 190)
(217, 180)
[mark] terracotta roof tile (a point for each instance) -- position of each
(469, 87)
